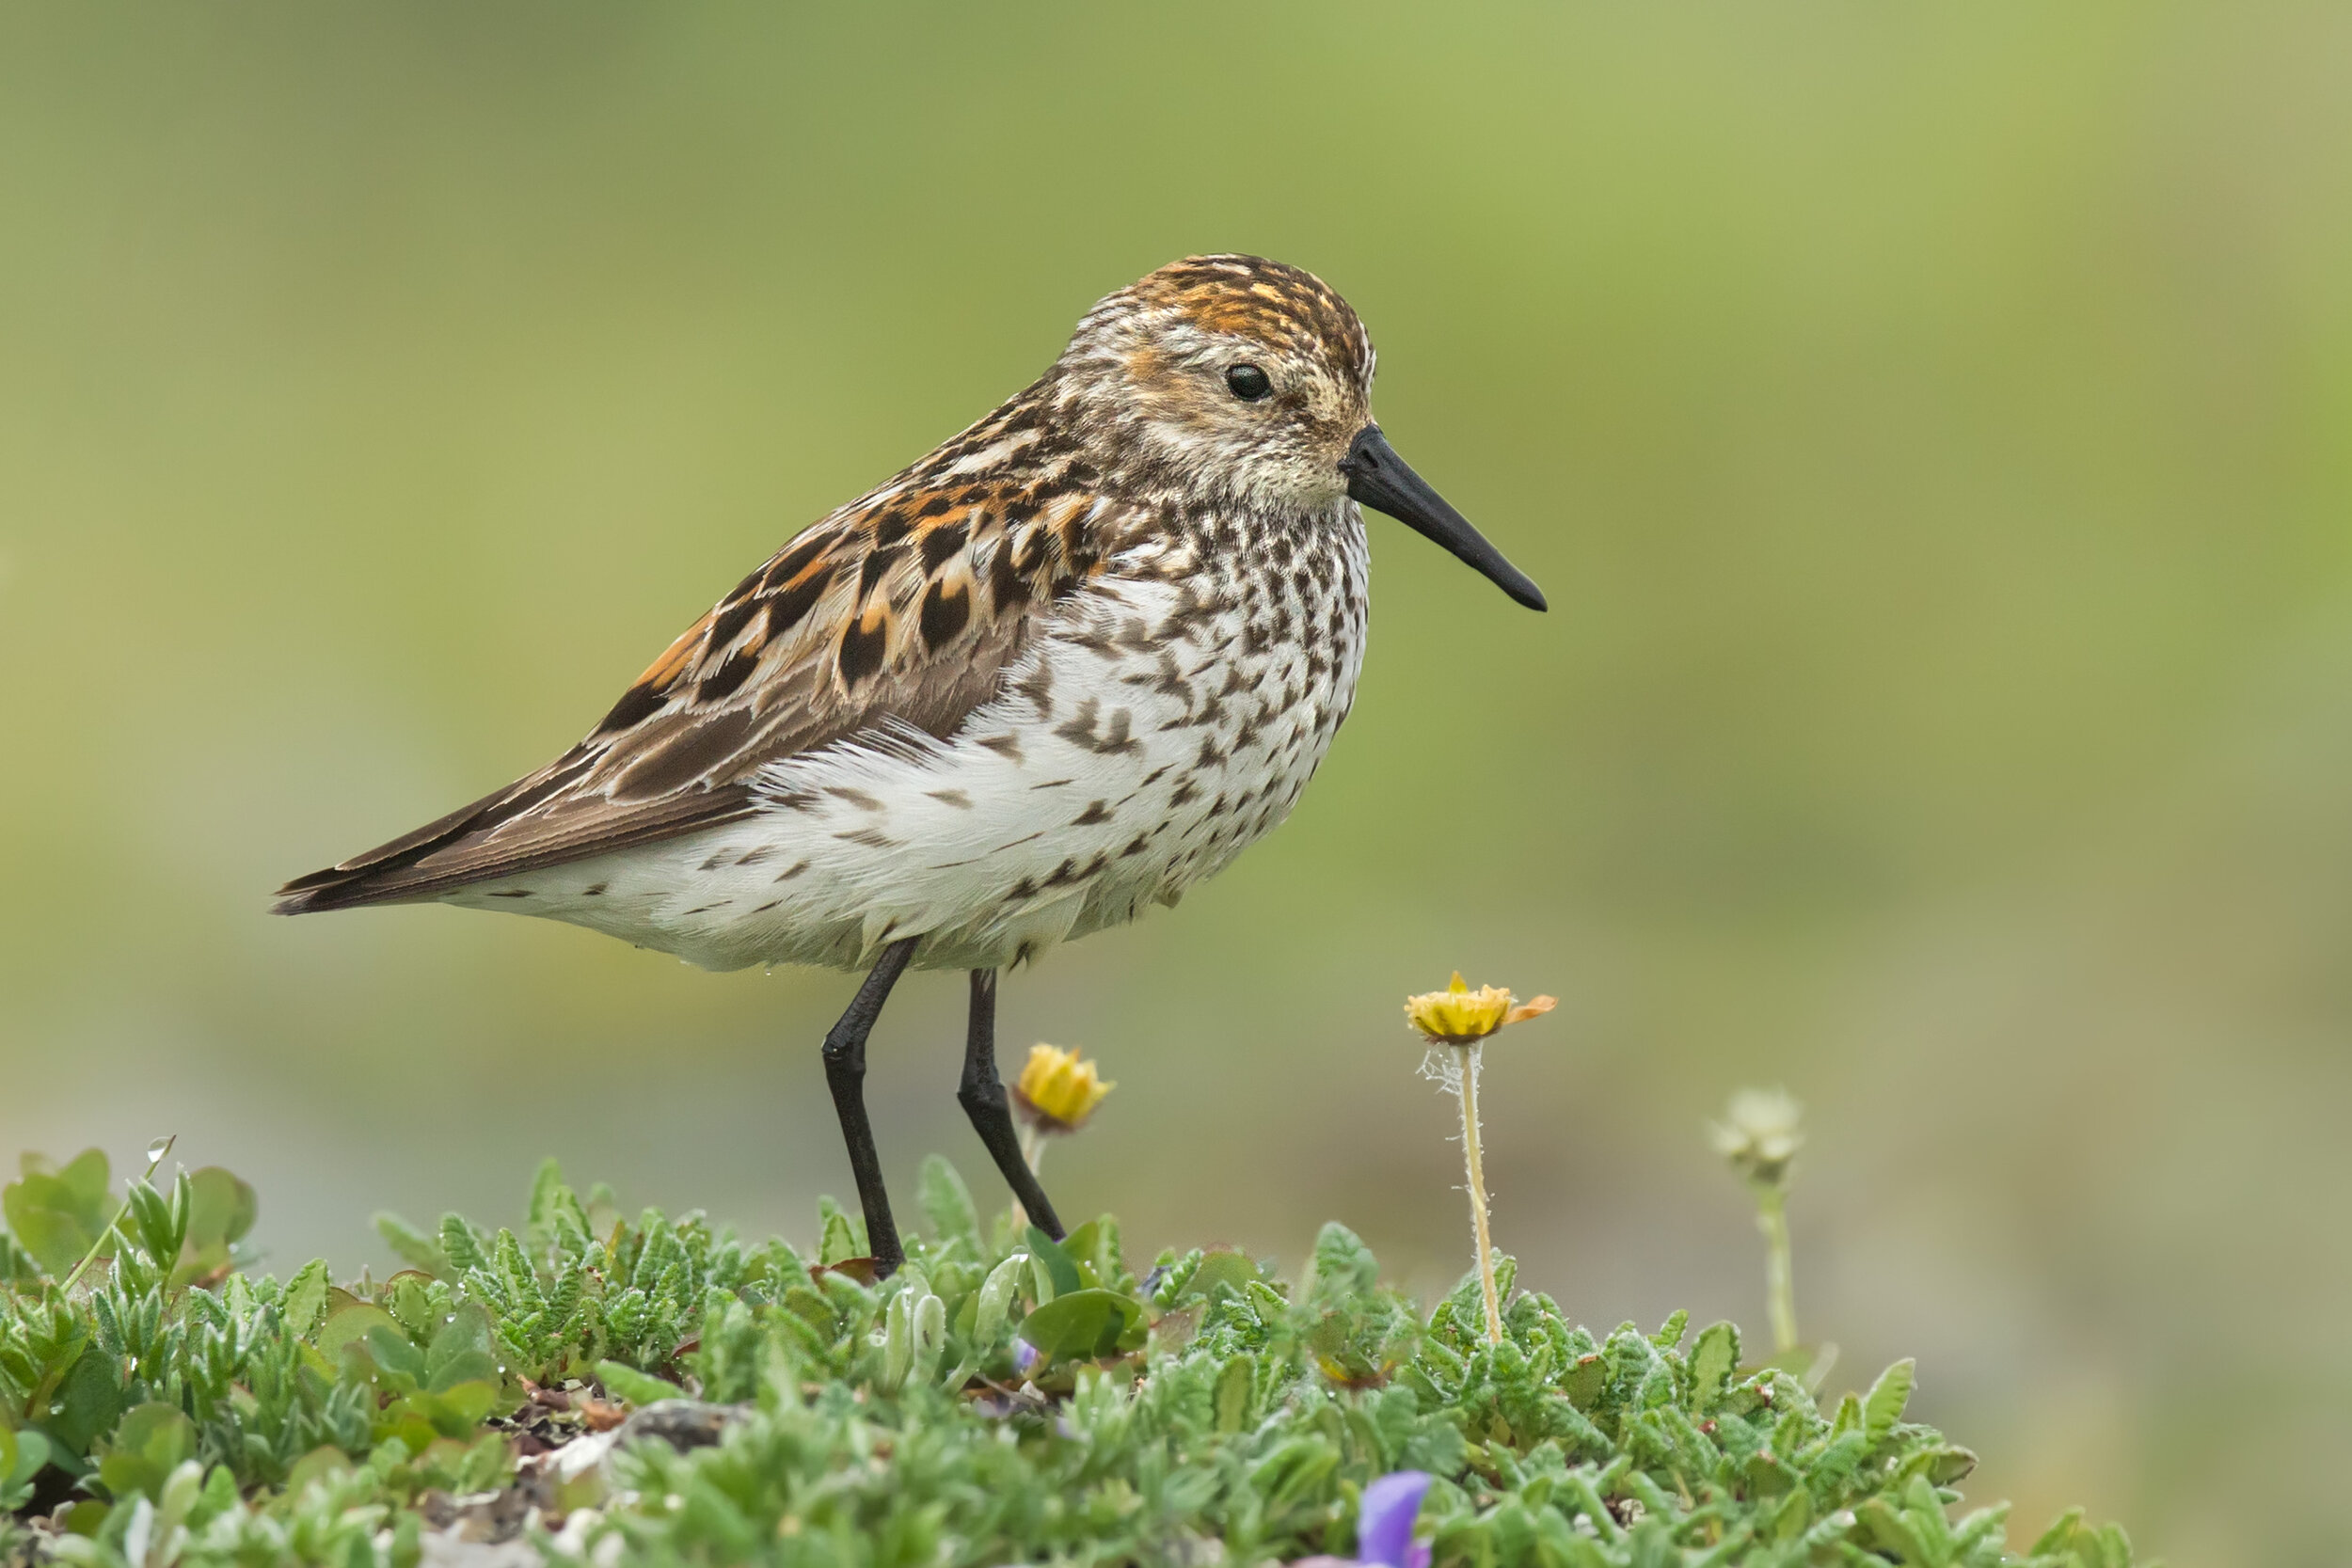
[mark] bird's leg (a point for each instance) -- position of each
(845, 1075)
(983, 1099)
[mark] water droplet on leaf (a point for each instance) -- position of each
(156, 1150)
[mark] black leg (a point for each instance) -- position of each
(984, 1101)
(845, 1075)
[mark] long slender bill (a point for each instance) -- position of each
(1379, 479)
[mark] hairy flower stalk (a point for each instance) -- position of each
(1460, 1020)
(1772, 1218)
(1759, 1135)
(1474, 1173)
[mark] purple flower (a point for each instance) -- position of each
(1384, 1525)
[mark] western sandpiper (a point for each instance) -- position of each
(1070, 663)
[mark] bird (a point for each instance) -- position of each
(1068, 664)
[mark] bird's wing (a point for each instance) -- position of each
(901, 613)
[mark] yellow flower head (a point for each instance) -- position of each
(1760, 1133)
(1460, 1016)
(1057, 1091)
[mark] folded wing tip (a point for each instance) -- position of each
(331, 889)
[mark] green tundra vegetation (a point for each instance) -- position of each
(604, 1388)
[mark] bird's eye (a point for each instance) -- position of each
(1249, 383)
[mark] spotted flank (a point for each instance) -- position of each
(1065, 666)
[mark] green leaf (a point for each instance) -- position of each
(1950, 1464)
(396, 1357)
(461, 1352)
(1083, 1325)
(1059, 1267)
(1712, 1361)
(324, 1463)
(22, 1455)
(413, 1246)
(1226, 1271)
(1924, 1513)
(462, 1245)
(87, 1518)
(840, 1241)
(304, 1300)
(633, 1386)
(948, 1204)
(553, 1206)
(1343, 1266)
(1791, 1517)
(1883, 1405)
(453, 1412)
(87, 1404)
(1670, 1333)
(1465, 1305)
(17, 1265)
(1765, 1476)
(1942, 1464)
(349, 1324)
(1235, 1383)
(86, 1174)
(1894, 1533)
(410, 1303)
(152, 1441)
(221, 1209)
(55, 1219)
(1585, 1380)
(1808, 1364)
(2060, 1537)
(160, 1224)
(994, 1301)
(1094, 1248)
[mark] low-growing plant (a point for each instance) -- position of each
(601, 1388)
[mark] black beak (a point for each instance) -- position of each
(1386, 483)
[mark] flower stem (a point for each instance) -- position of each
(1476, 1171)
(1772, 1218)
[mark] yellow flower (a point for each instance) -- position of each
(1057, 1091)
(1460, 1016)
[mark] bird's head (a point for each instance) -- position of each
(1236, 379)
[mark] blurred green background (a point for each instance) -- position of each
(1932, 425)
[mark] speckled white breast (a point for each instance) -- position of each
(1166, 718)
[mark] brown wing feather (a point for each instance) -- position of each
(904, 609)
